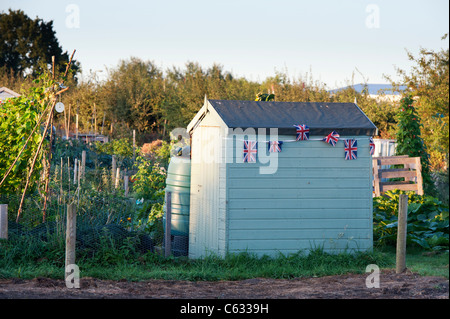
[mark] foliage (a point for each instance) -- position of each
(427, 224)
(122, 148)
(149, 186)
(265, 97)
(150, 180)
(163, 153)
(428, 82)
(409, 140)
(133, 94)
(18, 118)
(27, 46)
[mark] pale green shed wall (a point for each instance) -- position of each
(315, 199)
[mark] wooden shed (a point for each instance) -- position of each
(266, 178)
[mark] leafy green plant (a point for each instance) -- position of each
(21, 122)
(409, 140)
(150, 180)
(427, 225)
(149, 186)
(122, 148)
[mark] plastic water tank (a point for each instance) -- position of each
(178, 182)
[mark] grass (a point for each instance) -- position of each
(233, 267)
(425, 263)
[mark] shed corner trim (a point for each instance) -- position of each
(198, 117)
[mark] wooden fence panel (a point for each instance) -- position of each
(411, 174)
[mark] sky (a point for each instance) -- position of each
(333, 42)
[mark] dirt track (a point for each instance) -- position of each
(392, 286)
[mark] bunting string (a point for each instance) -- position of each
(302, 134)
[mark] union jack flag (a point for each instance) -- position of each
(332, 138)
(371, 146)
(302, 132)
(275, 146)
(351, 149)
(250, 150)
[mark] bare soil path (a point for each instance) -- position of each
(351, 286)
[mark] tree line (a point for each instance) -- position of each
(138, 95)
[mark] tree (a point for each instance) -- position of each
(428, 82)
(409, 140)
(134, 94)
(27, 46)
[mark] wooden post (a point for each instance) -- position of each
(83, 163)
(401, 233)
(125, 183)
(3, 221)
(376, 178)
(419, 176)
(61, 184)
(76, 125)
(79, 173)
(68, 124)
(117, 178)
(167, 232)
(75, 171)
(71, 234)
(113, 170)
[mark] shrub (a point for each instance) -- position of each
(427, 224)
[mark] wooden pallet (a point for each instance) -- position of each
(411, 173)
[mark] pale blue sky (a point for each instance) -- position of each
(249, 38)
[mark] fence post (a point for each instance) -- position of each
(401, 233)
(71, 232)
(113, 170)
(83, 163)
(75, 171)
(3, 221)
(167, 238)
(117, 178)
(125, 183)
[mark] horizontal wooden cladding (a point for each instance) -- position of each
(295, 213)
(282, 234)
(327, 151)
(290, 193)
(305, 251)
(251, 225)
(299, 203)
(272, 247)
(244, 171)
(328, 184)
(302, 162)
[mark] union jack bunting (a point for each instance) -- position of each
(332, 138)
(250, 150)
(371, 146)
(275, 146)
(302, 132)
(351, 149)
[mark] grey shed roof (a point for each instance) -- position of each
(322, 118)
